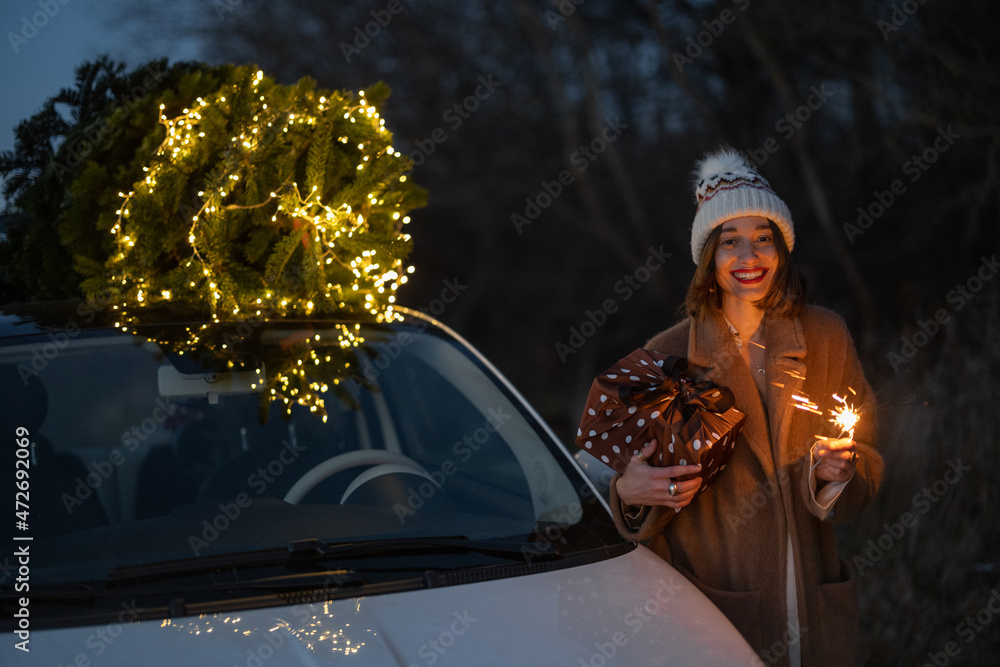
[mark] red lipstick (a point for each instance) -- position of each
(757, 274)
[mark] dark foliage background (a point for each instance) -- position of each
(836, 101)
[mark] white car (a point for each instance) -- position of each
(174, 497)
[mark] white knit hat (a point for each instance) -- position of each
(728, 187)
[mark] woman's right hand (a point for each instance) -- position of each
(643, 484)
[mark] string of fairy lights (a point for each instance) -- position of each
(321, 228)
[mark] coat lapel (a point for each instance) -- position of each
(784, 360)
(712, 346)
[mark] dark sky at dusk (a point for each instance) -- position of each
(33, 70)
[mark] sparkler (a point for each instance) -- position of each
(845, 415)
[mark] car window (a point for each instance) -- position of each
(142, 454)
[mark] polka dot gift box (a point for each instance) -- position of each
(648, 395)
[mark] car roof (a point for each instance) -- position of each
(25, 319)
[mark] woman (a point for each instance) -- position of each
(759, 541)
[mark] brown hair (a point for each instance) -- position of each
(786, 296)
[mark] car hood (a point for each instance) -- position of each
(634, 608)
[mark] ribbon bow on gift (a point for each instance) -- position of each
(649, 395)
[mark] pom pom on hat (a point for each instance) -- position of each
(727, 186)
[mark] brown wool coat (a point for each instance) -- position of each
(731, 541)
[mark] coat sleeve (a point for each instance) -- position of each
(650, 522)
(862, 487)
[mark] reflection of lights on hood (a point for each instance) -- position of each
(319, 632)
(314, 632)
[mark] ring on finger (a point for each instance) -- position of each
(672, 489)
(854, 457)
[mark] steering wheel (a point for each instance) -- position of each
(364, 457)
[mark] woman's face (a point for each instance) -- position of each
(746, 259)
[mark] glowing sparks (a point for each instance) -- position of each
(846, 416)
(803, 403)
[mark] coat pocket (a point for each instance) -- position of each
(742, 608)
(834, 628)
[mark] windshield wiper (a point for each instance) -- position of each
(314, 550)
(301, 581)
(510, 549)
(130, 574)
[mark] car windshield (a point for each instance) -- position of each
(141, 451)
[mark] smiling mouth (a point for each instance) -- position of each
(749, 276)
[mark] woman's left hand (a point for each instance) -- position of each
(836, 459)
